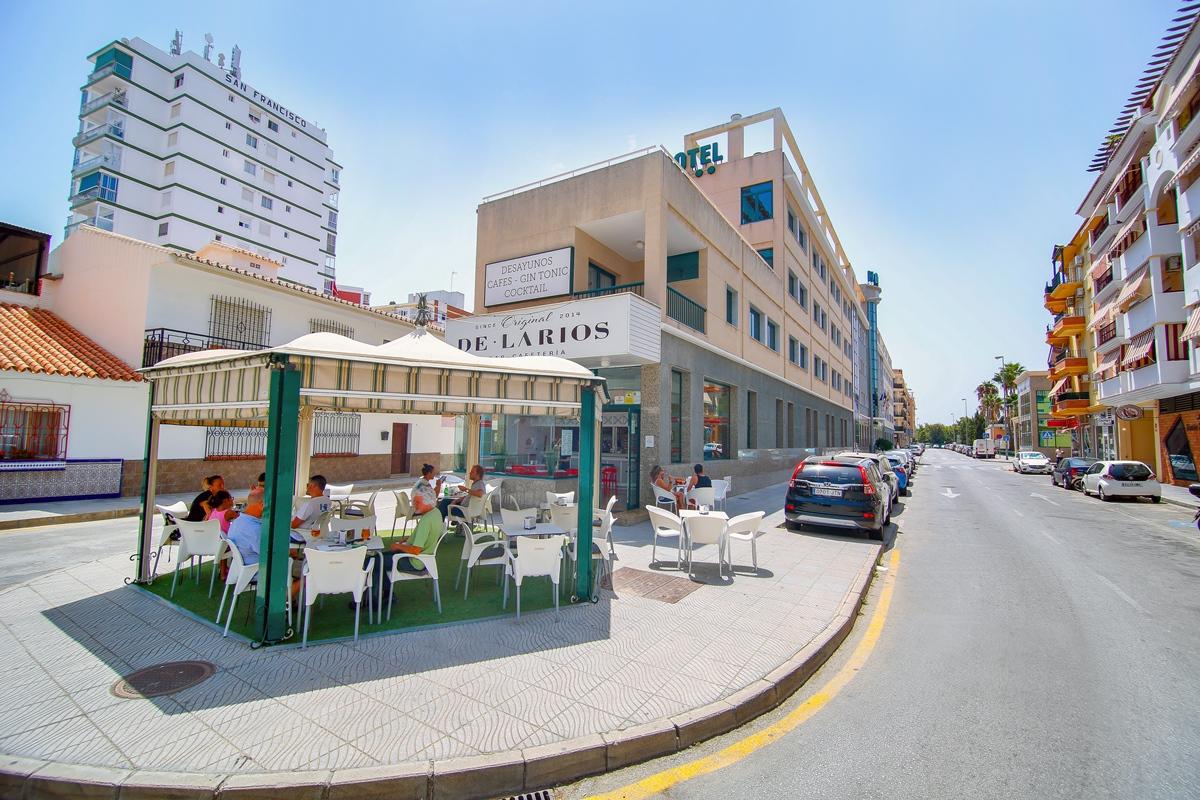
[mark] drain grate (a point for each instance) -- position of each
(542, 794)
(651, 585)
(160, 679)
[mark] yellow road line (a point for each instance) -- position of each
(661, 781)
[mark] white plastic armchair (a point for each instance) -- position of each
(535, 558)
(335, 572)
(745, 528)
(668, 526)
(427, 561)
(706, 529)
(199, 540)
(553, 498)
(169, 536)
(516, 516)
(720, 492)
(240, 579)
(472, 512)
(404, 510)
(483, 549)
(360, 508)
(351, 526)
(339, 493)
(663, 498)
(703, 496)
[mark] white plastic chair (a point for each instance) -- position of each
(703, 496)
(472, 512)
(706, 529)
(404, 510)
(602, 546)
(496, 488)
(361, 508)
(669, 526)
(351, 526)
(535, 558)
(339, 493)
(744, 528)
(241, 578)
(516, 516)
(170, 515)
(426, 560)
(553, 498)
(198, 540)
(335, 572)
(720, 491)
(483, 549)
(663, 498)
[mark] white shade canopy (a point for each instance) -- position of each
(415, 374)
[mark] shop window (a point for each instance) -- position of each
(716, 420)
(1179, 452)
(757, 202)
(33, 431)
(676, 416)
(535, 446)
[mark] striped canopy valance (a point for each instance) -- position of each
(417, 374)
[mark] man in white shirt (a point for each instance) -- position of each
(308, 515)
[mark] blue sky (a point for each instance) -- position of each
(949, 140)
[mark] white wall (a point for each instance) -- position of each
(108, 418)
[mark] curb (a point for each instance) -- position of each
(486, 776)
(1181, 503)
(66, 519)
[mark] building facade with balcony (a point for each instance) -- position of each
(709, 288)
(904, 409)
(177, 151)
(143, 303)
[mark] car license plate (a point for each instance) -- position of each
(1128, 483)
(824, 491)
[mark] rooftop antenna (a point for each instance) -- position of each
(422, 315)
(235, 62)
(208, 42)
(221, 60)
(452, 274)
(177, 43)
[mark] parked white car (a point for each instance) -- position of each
(1109, 479)
(1033, 462)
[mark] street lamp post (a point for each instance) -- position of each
(1008, 431)
(964, 417)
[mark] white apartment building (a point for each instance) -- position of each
(177, 151)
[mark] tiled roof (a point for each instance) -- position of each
(35, 340)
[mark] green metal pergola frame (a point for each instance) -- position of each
(286, 392)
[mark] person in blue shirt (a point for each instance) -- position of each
(245, 532)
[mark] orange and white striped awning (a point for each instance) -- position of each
(1134, 290)
(1098, 269)
(1102, 316)
(1192, 329)
(1108, 363)
(1060, 386)
(1139, 347)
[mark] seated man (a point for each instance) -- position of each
(477, 489)
(697, 481)
(245, 532)
(308, 515)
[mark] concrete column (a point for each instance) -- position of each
(655, 252)
(471, 441)
(304, 446)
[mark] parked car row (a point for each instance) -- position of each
(1106, 479)
(850, 490)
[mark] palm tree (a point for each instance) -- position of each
(986, 393)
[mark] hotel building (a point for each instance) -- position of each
(177, 151)
(709, 287)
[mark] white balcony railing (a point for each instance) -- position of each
(117, 97)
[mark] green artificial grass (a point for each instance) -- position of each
(413, 607)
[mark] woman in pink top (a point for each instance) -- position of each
(222, 509)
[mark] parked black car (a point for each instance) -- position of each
(838, 494)
(1068, 469)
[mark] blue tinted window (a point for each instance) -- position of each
(756, 332)
(757, 202)
(768, 255)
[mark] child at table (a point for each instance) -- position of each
(222, 509)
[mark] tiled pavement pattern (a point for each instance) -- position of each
(458, 690)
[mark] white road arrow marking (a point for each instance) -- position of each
(1043, 497)
(949, 493)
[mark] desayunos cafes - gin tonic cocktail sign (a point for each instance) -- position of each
(532, 277)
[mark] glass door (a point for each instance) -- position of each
(620, 456)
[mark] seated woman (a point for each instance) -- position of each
(201, 506)
(698, 481)
(663, 480)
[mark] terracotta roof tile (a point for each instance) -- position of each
(35, 340)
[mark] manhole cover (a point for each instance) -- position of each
(160, 679)
(652, 585)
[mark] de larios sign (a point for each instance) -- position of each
(532, 277)
(578, 329)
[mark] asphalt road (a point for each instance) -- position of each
(26, 553)
(1040, 644)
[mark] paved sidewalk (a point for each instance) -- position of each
(1180, 496)
(618, 681)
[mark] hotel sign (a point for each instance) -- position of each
(266, 102)
(618, 330)
(701, 159)
(532, 277)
